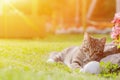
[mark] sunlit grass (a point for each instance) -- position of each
(26, 59)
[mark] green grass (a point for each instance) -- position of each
(26, 59)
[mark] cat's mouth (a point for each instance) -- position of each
(96, 57)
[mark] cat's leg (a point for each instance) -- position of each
(55, 57)
(51, 57)
(73, 59)
(75, 66)
(50, 60)
(59, 56)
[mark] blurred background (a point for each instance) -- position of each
(38, 18)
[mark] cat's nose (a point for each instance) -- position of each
(97, 58)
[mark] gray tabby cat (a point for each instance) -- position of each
(76, 57)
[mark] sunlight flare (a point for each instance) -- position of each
(7, 1)
(25, 18)
(8, 9)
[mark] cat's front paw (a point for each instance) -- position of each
(81, 70)
(50, 61)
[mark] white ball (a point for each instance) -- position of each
(92, 67)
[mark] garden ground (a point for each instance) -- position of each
(25, 59)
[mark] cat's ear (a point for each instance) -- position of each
(103, 40)
(86, 36)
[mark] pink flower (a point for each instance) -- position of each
(116, 29)
(116, 18)
(115, 32)
(113, 35)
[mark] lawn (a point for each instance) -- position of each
(22, 59)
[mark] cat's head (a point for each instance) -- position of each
(94, 47)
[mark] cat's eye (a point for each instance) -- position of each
(85, 49)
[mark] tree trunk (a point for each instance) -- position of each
(117, 5)
(84, 8)
(91, 9)
(77, 14)
(35, 7)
